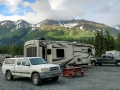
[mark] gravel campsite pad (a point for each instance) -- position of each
(106, 77)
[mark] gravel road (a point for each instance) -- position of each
(106, 77)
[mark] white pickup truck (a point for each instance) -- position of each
(35, 68)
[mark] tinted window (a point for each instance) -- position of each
(60, 52)
(9, 61)
(49, 51)
(7, 56)
(109, 56)
(43, 52)
(24, 61)
(89, 50)
(103, 56)
(36, 61)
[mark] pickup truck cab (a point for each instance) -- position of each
(35, 68)
(106, 59)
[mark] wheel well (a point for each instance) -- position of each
(93, 61)
(34, 72)
(6, 72)
(117, 61)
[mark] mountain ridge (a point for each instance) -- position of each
(22, 30)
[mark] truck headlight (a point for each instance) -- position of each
(45, 70)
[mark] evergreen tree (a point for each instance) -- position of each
(118, 42)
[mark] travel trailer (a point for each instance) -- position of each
(3, 57)
(62, 53)
(113, 52)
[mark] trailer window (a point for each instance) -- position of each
(60, 52)
(8, 57)
(31, 51)
(89, 50)
(49, 51)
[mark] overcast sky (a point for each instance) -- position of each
(34, 11)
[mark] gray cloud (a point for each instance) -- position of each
(106, 11)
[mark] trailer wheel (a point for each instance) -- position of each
(93, 63)
(9, 76)
(36, 79)
(118, 63)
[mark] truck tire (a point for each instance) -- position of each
(93, 63)
(118, 63)
(8, 75)
(36, 80)
(55, 78)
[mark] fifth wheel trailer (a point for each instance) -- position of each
(60, 52)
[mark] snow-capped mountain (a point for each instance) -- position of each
(63, 23)
(117, 27)
(22, 30)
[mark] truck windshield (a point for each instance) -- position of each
(37, 61)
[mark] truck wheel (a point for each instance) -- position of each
(118, 63)
(9, 76)
(55, 78)
(36, 79)
(93, 63)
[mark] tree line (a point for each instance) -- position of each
(12, 49)
(102, 41)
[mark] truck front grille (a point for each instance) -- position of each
(54, 68)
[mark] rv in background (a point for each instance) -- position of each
(3, 57)
(113, 52)
(62, 53)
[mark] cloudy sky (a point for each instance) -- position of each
(34, 11)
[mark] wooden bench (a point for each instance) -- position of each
(69, 71)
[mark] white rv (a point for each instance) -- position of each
(59, 52)
(113, 52)
(3, 57)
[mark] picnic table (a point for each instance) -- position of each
(69, 71)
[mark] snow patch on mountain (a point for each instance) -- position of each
(117, 27)
(81, 27)
(32, 30)
(18, 22)
(70, 25)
